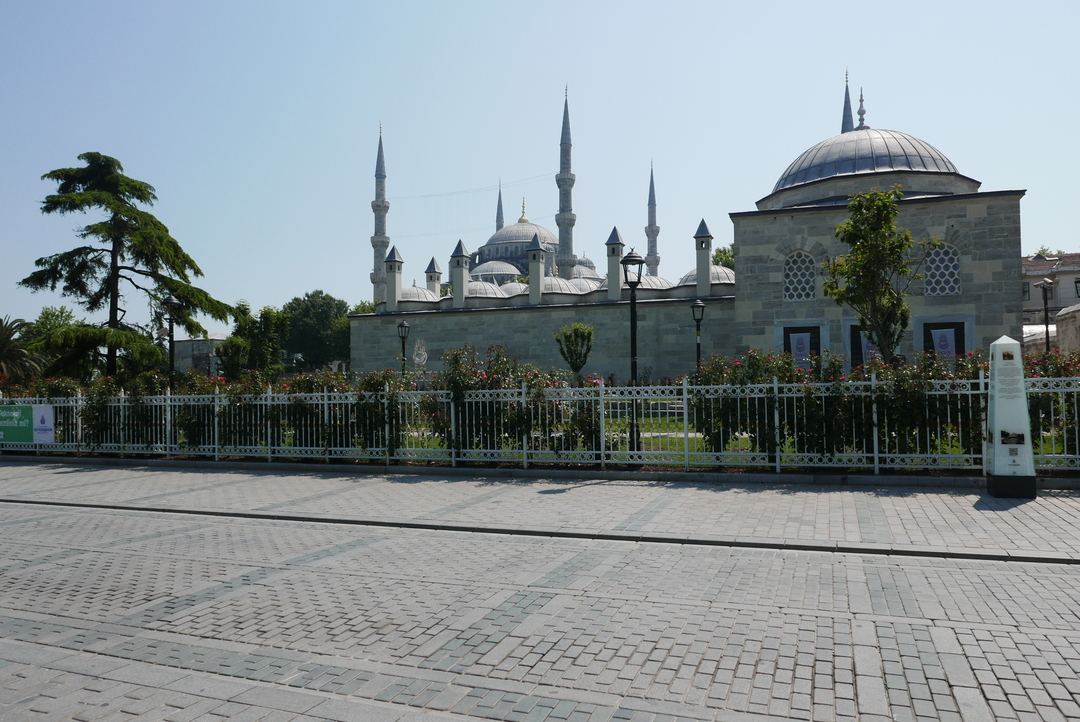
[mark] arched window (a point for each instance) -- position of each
(800, 277)
(941, 271)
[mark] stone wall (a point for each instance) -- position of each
(985, 227)
(1068, 329)
(665, 335)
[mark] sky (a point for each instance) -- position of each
(258, 122)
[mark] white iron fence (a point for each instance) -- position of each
(870, 425)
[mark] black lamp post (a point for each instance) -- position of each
(1046, 284)
(171, 304)
(632, 264)
(698, 309)
(403, 333)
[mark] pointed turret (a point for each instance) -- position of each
(703, 245)
(565, 218)
(394, 267)
(434, 277)
(459, 274)
(614, 249)
(846, 124)
(652, 260)
(498, 211)
(380, 241)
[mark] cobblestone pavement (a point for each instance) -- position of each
(118, 614)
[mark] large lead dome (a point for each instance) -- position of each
(864, 150)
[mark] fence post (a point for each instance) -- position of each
(981, 400)
(453, 433)
(525, 433)
(686, 422)
(326, 424)
(168, 423)
(217, 428)
(78, 422)
(123, 422)
(776, 419)
(603, 427)
(874, 408)
(269, 429)
(386, 423)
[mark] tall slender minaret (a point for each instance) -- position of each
(498, 213)
(380, 241)
(652, 261)
(846, 124)
(565, 219)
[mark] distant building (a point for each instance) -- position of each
(199, 353)
(772, 301)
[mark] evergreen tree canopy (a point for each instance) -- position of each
(136, 252)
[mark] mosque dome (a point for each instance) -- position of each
(494, 270)
(864, 150)
(651, 282)
(586, 284)
(585, 268)
(416, 293)
(484, 289)
(717, 274)
(522, 232)
(554, 284)
(514, 288)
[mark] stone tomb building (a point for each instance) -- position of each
(970, 296)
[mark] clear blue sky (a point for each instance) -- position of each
(257, 122)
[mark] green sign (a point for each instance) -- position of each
(27, 424)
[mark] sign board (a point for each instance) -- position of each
(27, 424)
(1010, 454)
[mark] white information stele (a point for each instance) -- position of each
(1008, 425)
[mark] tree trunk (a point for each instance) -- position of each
(114, 302)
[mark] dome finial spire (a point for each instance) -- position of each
(862, 112)
(846, 124)
(523, 219)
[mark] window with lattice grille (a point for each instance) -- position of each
(800, 277)
(941, 271)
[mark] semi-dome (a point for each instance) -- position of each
(717, 274)
(864, 150)
(494, 270)
(586, 284)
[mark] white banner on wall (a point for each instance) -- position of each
(944, 341)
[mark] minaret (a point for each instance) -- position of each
(652, 261)
(846, 124)
(380, 241)
(498, 212)
(565, 219)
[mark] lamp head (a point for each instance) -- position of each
(403, 330)
(698, 309)
(632, 264)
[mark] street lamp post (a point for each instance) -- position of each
(171, 304)
(631, 264)
(403, 333)
(1046, 284)
(697, 308)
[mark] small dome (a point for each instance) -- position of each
(494, 268)
(583, 270)
(514, 288)
(864, 150)
(416, 293)
(484, 290)
(554, 284)
(585, 284)
(586, 262)
(717, 274)
(523, 232)
(651, 282)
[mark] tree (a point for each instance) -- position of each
(138, 253)
(1044, 250)
(315, 323)
(65, 345)
(256, 342)
(575, 344)
(17, 363)
(724, 256)
(874, 277)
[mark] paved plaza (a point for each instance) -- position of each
(138, 592)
